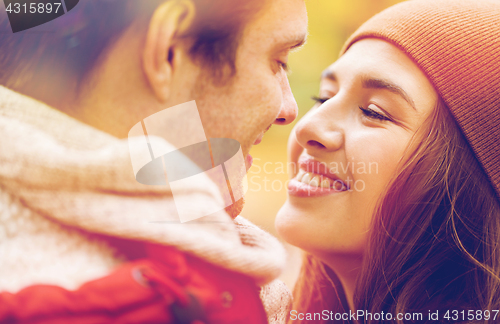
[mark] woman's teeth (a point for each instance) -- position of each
(306, 177)
(325, 183)
(315, 180)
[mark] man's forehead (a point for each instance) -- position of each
(283, 23)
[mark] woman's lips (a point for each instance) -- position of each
(307, 184)
(299, 189)
(309, 164)
(315, 180)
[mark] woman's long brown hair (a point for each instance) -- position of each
(434, 241)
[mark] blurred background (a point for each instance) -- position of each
(330, 24)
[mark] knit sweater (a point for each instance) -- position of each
(65, 187)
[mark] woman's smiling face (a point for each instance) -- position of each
(348, 148)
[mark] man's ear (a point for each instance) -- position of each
(170, 20)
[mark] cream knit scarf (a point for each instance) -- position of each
(61, 181)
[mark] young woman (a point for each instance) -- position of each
(396, 198)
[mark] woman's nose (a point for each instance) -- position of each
(319, 132)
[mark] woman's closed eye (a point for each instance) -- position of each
(372, 114)
(367, 112)
(319, 100)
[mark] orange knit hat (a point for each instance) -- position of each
(456, 43)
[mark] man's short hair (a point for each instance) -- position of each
(78, 38)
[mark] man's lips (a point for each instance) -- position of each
(261, 135)
(258, 140)
(248, 162)
(249, 159)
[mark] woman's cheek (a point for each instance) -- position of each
(381, 166)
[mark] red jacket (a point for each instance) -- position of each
(172, 287)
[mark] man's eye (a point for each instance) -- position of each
(284, 66)
(372, 114)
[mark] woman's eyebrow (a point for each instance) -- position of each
(374, 83)
(328, 74)
(384, 84)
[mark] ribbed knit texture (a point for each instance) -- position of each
(457, 45)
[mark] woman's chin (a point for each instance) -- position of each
(318, 233)
(285, 225)
(294, 227)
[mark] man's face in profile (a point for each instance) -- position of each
(259, 94)
(246, 105)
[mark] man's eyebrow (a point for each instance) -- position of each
(299, 42)
(387, 85)
(294, 42)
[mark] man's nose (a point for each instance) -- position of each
(289, 110)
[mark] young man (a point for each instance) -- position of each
(71, 208)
